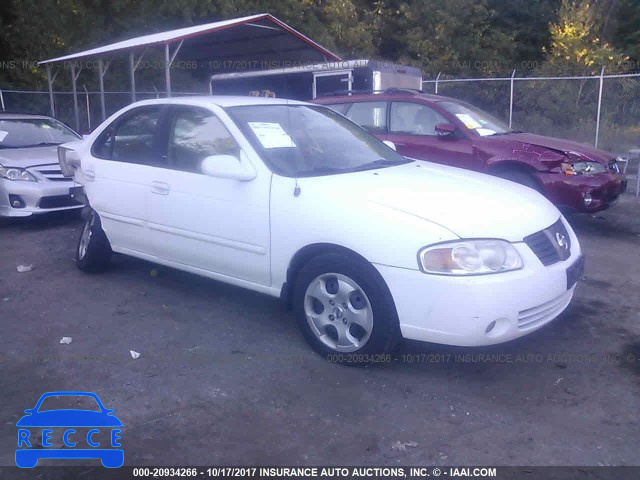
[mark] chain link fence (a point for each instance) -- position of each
(601, 110)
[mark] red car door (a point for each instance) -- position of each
(412, 130)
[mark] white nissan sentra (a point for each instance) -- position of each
(295, 201)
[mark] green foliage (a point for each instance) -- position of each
(576, 46)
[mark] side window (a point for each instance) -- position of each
(131, 138)
(197, 133)
(414, 119)
(370, 115)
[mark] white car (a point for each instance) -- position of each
(31, 182)
(295, 201)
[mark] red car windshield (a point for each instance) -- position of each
(475, 119)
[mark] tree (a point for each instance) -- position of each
(576, 44)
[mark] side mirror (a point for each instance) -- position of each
(390, 144)
(228, 166)
(445, 130)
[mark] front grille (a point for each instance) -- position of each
(550, 245)
(58, 201)
(536, 316)
(51, 172)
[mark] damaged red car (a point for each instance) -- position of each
(574, 176)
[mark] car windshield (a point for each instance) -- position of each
(33, 132)
(308, 141)
(475, 119)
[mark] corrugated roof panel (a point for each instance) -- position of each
(189, 32)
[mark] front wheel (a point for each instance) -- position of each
(519, 176)
(93, 253)
(344, 309)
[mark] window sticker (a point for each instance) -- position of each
(485, 131)
(3, 134)
(468, 121)
(271, 135)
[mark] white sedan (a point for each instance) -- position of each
(295, 201)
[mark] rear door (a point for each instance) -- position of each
(117, 175)
(220, 225)
(372, 116)
(412, 130)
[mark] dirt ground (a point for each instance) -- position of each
(225, 378)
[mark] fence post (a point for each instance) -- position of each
(101, 72)
(86, 94)
(599, 106)
(74, 78)
(50, 82)
(511, 99)
(437, 78)
(132, 77)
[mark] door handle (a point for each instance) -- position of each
(160, 188)
(90, 175)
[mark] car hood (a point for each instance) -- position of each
(468, 204)
(28, 157)
(69, 418)
(558, 145)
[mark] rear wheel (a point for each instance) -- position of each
(93, 253)
(344, 309)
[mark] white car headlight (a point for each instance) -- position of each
(18, 174)
(470, 257)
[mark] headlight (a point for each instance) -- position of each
(583, 168)
(18, 174)
(470, 257)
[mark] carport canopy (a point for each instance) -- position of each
(247, 43)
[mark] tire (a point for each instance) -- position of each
(93, 252)
(331, 292)
(519, 176)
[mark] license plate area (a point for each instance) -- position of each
(575, 272)
(77, 193)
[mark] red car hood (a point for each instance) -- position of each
(557, 144)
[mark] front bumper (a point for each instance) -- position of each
(35, 197)
(570, 191)
(460, 310)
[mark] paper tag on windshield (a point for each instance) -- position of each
(3, 134)
(271, 135)
(468, 121)
(485, 131)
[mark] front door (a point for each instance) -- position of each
(412, 130)
(214, 224)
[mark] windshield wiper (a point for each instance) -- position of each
(312, 172)
(41, 144)
(381, 162)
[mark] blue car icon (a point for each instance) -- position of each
(36, 423)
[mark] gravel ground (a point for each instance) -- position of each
(224, 376)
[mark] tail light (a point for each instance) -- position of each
(69, 161)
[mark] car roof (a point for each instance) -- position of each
(398, 94)
(221, 101)
(23, 116)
